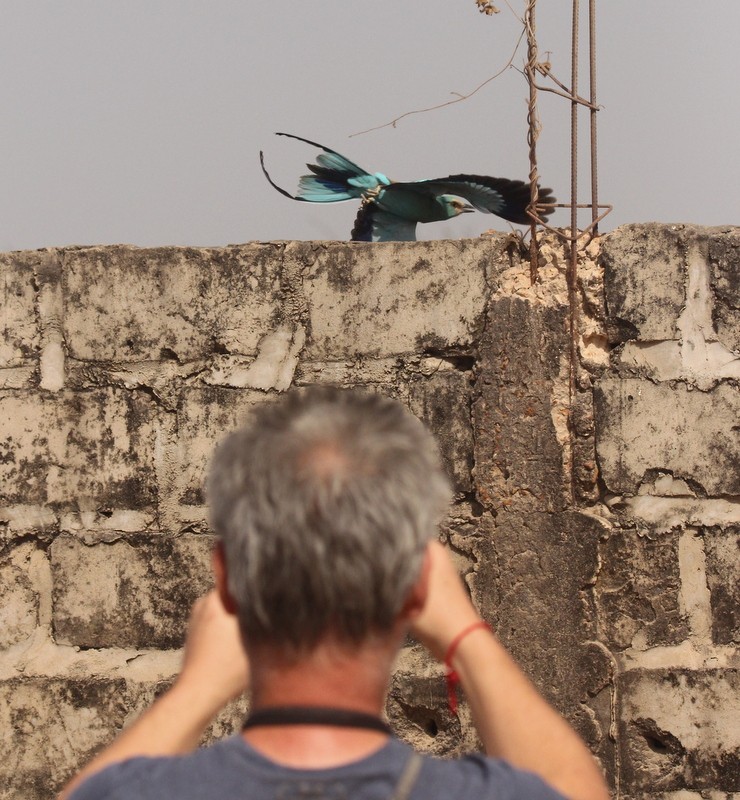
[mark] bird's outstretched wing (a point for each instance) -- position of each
(335, 177)
(372, 224)
(505, 198)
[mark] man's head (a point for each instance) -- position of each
(324, 504)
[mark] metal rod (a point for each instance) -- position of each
(573, 265)
(593, 111)
(574, 123)
(532, 135)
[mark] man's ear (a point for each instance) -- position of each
(218, 561)
(417, 596)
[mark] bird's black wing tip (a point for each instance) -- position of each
(308, 141)
(272, 182)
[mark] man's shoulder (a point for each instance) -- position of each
(478, 776)
(144, 777)
(224, 769)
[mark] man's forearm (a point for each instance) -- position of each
(517, 724)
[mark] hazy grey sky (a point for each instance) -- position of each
(140, 122)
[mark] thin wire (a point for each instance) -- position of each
(458, 99)
(544, 69)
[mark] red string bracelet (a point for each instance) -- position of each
(453, 679)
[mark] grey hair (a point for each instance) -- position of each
(324, 503)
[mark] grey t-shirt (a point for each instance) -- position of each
(232, 770)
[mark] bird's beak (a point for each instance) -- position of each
(467, 208)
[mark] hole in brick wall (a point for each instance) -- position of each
(459, 361)
(696, 487)
(166, 354)
(476, 508)
(662, 742)
(426, 719)
(657, 745)
(463, 363)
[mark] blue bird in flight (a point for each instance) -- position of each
(390, 210)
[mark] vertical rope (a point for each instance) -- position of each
(533, 133)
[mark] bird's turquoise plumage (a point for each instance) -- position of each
(390, 210)
(369, 182)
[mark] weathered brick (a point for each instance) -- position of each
(532, 582)
(638, 590)
(645, 427)
(723, 578)
(678, 730)
(442, 401)
(190, 302)
(272, 369)
(21, 521)
(205, 416)
(58, 725)
(348, 372)
(417, 708)
(86, 449)
(392, 298)
(644, 281)
(19, 599)
(724, 265)
(518, 456)
(19, 334)
(127, 593)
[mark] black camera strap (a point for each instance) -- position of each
(315, 715)
(340, 718)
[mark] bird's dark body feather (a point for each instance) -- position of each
(373, 224)
(411, 202)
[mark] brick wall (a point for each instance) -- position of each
(596, 514)
(667, 593)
